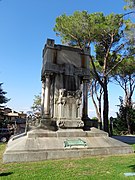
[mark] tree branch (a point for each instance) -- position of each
(95, 72)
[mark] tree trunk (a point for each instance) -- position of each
(128, 119)
(128, 104)
(97, 108)
(105, 107)
(97, 112)
(100, 119)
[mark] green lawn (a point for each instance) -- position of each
(100, 168)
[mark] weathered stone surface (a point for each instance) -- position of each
(65, 73)
(41, 145)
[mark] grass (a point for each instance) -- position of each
(133, 146)
(92, 168)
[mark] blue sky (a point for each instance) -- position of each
(24, 27)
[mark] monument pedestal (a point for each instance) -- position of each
(47, 124)
(88, 123)
(40, 144)
(70, 124)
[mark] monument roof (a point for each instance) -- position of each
(50, 44)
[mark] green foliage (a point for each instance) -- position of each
(3, 99)
(126, 68)
(81, 28)
(130, 4)
(125, 72)
(74, 29)
(37, 103)
(130, 31)
(124, 75)
(130, 36)
(120, 123)
(95, 118)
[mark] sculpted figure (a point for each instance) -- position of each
(62, 96)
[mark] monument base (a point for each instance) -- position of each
(70, 124)
(88, 123)
(47, 124)
(41, 144)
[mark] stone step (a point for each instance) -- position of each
(94, 132)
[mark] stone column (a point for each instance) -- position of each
(42, 98)
(47, 97)
(85, 98)
(85, 118)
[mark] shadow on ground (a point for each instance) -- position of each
(132, 167)
(125, 139)
(6, 174)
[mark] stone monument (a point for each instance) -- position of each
(65, 131)
(65, 74)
